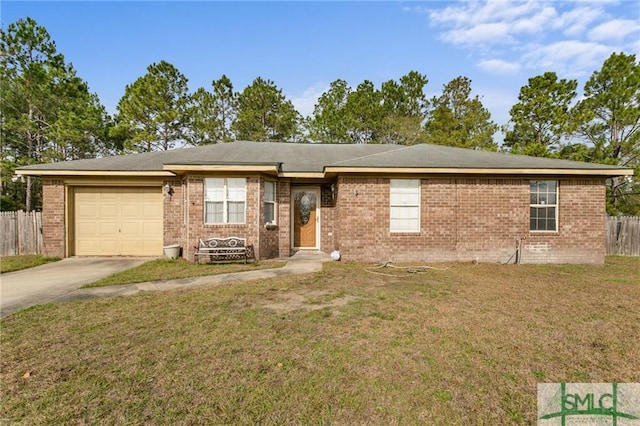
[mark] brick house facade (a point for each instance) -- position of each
(464, 219)
(468, 212)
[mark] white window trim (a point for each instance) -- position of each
(418, 206)
(225, 204)
(274, 202)
(556, 205)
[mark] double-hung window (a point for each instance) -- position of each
(543, 205)
(224, 200)
(405, 205)
(270, 202)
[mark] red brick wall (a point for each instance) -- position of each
(363, 225)
(581, 226)
(461, 219)
(269, 243)
(53, 217)
(196, 228)
(174, 217)
(269, 237)
(327, 220)
(466, 219)
(490, 215)
(284, 217)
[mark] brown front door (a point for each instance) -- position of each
(305, 220)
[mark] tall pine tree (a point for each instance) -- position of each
(48, 113)
(457, 119)
(153, 113)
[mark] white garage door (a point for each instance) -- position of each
(118, 221)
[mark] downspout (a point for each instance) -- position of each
(185, 212)
(259, 195)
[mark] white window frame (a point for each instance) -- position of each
(544, 204)
(404, 200)
(272, 203)
(225, 197)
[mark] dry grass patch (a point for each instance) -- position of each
(17, 263)
(466, 345)
(167, 269)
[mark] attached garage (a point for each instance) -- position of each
(118, 221)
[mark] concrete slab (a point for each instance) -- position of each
(46, 283)
(60, 281)
(300, 263)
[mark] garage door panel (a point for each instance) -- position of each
(118, 221)
(135, 195)
(87, 246)
(131, 211)
(108, 247)
(108, 195)
(89, 211)
(134, 229)
(106, 229)
(150, 228)
(108, 210)
(132, 247)
(152, 211)
(88, 227)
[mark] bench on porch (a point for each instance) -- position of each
(224, 249)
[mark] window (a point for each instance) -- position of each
(270, 202)
(544, 205)
(405, 205)
(224, 200)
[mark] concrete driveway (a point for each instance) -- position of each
(46, 283)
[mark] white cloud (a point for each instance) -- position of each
(576, 21)
(536, 23)
(568, 37)
(479, 35)
(571, 57)
(477, 12)
(495, 22)
(498, 66)
(305, 102)
(417, 9)
(615, 30)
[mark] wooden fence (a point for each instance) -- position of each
(623, 235)
(20, 233)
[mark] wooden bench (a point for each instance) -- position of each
(224, 249)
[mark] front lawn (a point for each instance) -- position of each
(352, 344)
(17, 263)
(167, 269)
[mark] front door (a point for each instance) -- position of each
(305, 217)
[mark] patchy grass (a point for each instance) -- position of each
(17, 263)
(464, 345)
(167, 269)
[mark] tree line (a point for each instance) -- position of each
(48, 114)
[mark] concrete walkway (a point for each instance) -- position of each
(300, 263)
(46, 283)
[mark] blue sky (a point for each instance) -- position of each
(303, 46)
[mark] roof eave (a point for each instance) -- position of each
(130, 173)
(256, 168)
(332, 170)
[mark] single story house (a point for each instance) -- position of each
(370, 202)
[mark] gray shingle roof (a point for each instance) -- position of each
(316, 157)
